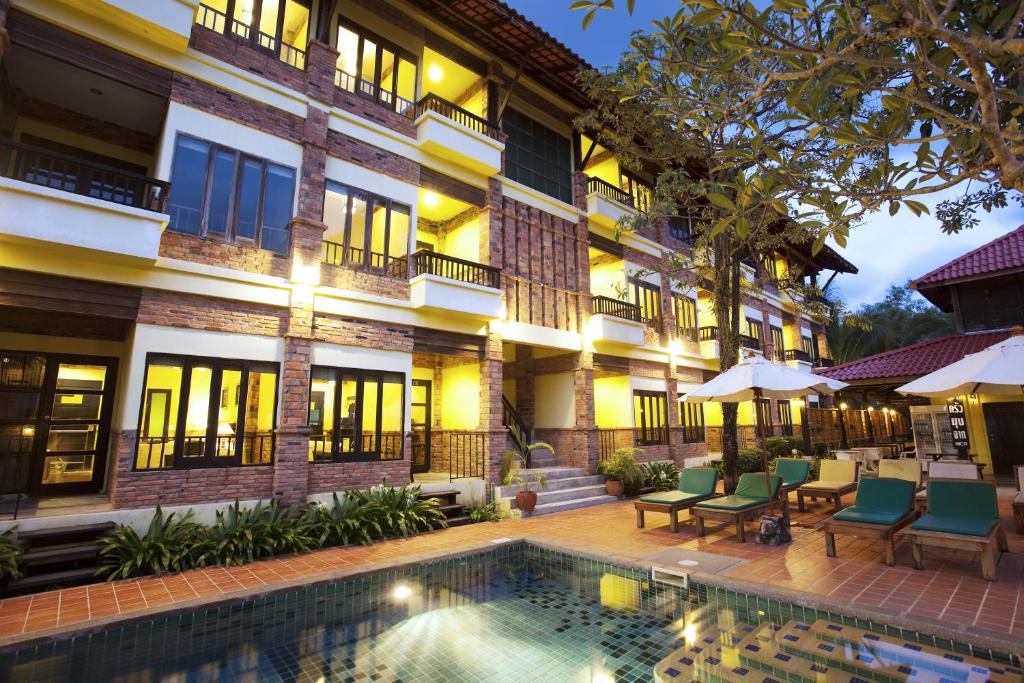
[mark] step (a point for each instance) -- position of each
(552, 485)
(62, 553)
(63, 534)
(63, 578)
(453, 510)
(574, 504)
(440, 495)
(459, 521)
(703, 660)
(544, 497)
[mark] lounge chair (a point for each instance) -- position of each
(794, 473)
(836, 478)
(946, 469)
(695, 484)
(907, 470)
(752, 497)
(963, 515)
(1018, 502)
(883, 506)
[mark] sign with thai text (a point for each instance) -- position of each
(958, 421)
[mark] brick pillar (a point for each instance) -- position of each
(767, 346)
(490, 407)
(668, 314)
(587, 453)
(525, 405)
(321, 62)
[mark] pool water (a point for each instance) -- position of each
(516, 613)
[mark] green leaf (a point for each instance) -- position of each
(917, 207)
(894, 208)
(721, 201)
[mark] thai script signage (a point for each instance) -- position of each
(958, 421)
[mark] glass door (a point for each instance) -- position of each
(420, 419)
(22, 377)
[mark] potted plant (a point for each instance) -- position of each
(512, 465)
(621, 471)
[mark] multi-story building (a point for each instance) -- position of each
(276, 248)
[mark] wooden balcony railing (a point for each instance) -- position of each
(40, 166)
(693, 434)
(218, 22)
(432, 263)
(620, 309)
(687, 333)
(334, 253)
(358, 86)
(708, 333)
(439, 105)
(606, 189)
(798, 354)
(748, 342)
(650, 436)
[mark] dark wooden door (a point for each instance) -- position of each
(420, 419)
(1005, 425)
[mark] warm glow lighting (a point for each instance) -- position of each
(401, 591)
(224, 429)
(843, 406)
(435, 73)
(690, 634)
(602, 677)
(871, 409)
(28, 431)
(430, 199)
(798, 402)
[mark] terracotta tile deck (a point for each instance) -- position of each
(950, 590)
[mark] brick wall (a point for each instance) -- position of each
(343, 277)
(364, 154)
(213, 252)
(172, 309)
(195, 93)
(366, 333)
(237, 52)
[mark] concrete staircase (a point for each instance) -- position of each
(568, 488)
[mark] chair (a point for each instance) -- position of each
(962, 515)
(794, 473)
(1018, 502)
(946, 469)
(836, 478)
(908, 470)
(753, 496)
(883, 506)
(695, 484)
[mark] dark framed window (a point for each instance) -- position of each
(990, 305)
(778, 343)
(685, 309)
(771, 268)
(365, 231)
(537, 156)
(206, 412)
(372, 67)
(765, 425)
(648, 298)
(639, 191)
(691, 418)
(650, 418)
(280, 27)
(785, 411)
(807, 344)
(356, 415)
(220, 193)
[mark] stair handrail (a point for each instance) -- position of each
(516, 428)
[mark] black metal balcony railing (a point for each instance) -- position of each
(650, 436)
(798, 354)
(432, 263)
(334, 253)
(606, 189)
(748, 342)
(40, 166)
(439, 105)
(620, 309)
(693, 434)
(709, 333)
(824, 363)
(371, 91)
(217, 21)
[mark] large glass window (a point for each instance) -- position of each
(355, 415)
(650, 417)
(206, 412)
(785, 411)
(686, 316)
(691, 418)
(537, 156)
(778, 343)
(223, 194)
(365, 231)
(371, 67)
(280, 27)
(764, 426)
(648, 298)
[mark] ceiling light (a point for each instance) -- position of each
(435, 73)
(430, 199)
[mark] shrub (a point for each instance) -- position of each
(242, 535)
(621, 466)
(820, 450)
(399, 511)
(10, 553)
(483, 512)
(340, 523)
(169, 545)
(783, 446)
(662, 476)
(749, 461)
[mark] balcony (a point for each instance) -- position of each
(607, 204)
(366, 89)
(52, 197)
(335, 254)
(748, 342)
(446, 283)
(798, 359)
(449, 131)
(165, 22)
(616, 322)
(218, 22)
(707, 337)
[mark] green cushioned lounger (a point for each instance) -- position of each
(883, 506)
(695, 485)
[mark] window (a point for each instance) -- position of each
(355, 415)
(771, 268)
(785, 417)
(807, 345)
(219, 193)
(648, 298)
(778, 343)
(375, 69)
(691, 418)
(764, 427)
(650, 418)
(685, 310)
(638, 191)
(206, 412)
(537, 156)
(365, 231)
(990, 305)
(755, 334)
(280, 27)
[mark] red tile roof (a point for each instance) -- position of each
(1002, 253)
(914, 360)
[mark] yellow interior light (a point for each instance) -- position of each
(435, 73)
(430, 199)
(843, 406)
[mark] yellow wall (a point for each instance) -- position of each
(74, 139)
(554, 401)
(423, 373)
(604, 278)
(613, 403)
(464, 241)
(713, 414)
(460, 397)
(508, 387)
(607, 170)
(705, 311)
(977, 432)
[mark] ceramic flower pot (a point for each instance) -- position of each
(614, 488)
(526, 501)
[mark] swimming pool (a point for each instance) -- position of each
(513, 613)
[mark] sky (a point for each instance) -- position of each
(886, 249)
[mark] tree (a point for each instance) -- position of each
(899, 320)
(918, 95)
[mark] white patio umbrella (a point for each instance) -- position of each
(997, 370)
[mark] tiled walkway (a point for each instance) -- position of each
(949, 590)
